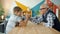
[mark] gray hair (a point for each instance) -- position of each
(45, 5)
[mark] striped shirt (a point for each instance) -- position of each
(39, 19)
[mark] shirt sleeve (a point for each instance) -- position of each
(18, 19)
(36, 19)
(50, 18)
(11, 22)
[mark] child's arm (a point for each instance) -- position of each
(24, 22)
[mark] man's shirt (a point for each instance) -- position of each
(50, 18)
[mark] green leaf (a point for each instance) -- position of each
(1, 10)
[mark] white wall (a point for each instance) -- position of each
(9, 4)
(56, 2)
(29, 3)
(57, 12)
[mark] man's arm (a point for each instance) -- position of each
(36, 19)
(50, 18)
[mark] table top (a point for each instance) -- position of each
(32, 28)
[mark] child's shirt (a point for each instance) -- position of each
(12, 22)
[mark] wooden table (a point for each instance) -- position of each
(32, 28)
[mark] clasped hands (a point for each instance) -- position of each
(24, 22)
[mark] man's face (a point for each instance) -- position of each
(43, 10)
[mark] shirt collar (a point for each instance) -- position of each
(46, 12)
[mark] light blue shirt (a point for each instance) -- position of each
(12, 22)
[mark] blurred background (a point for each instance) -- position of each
(6, 8)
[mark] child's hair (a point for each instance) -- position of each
(17, 9)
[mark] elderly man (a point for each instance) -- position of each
(48, 17)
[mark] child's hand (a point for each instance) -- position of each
(22, 24)
(17, 24)
(28, 16)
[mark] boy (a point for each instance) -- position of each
(14, 19)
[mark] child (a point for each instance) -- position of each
(15, 18)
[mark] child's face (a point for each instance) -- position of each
(15, 12)
(19, 13)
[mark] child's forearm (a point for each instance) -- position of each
(23, 23)
(26, 20)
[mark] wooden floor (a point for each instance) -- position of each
(32, 28)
